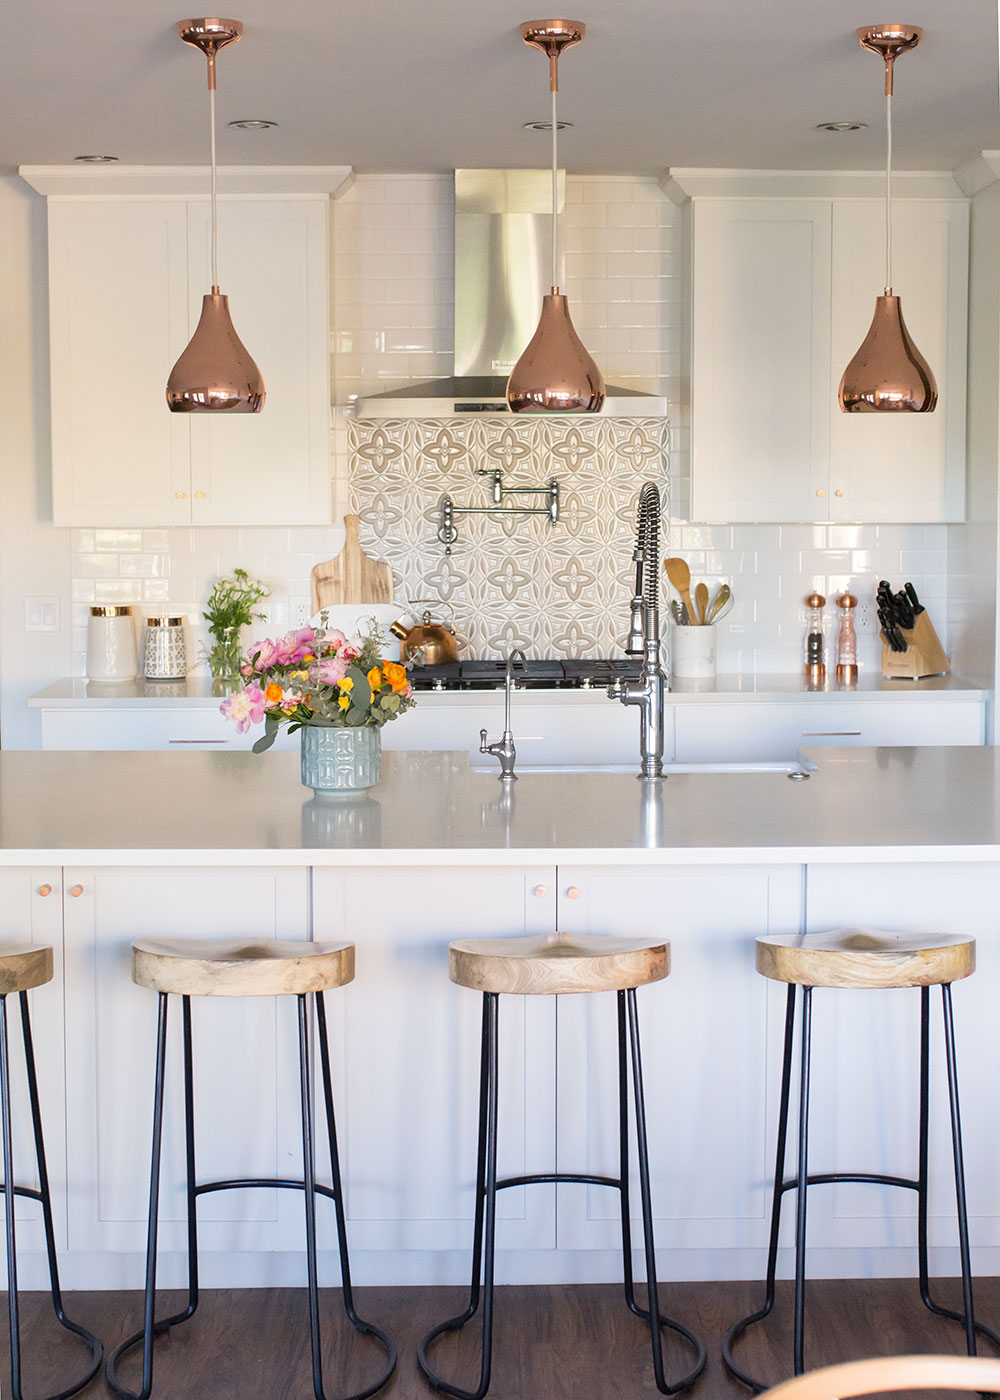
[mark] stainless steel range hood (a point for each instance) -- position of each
(502, 233)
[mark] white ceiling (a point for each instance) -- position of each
(434, 84)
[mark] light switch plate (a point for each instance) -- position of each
(42, 615)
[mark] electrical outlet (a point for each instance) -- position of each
(300, 609)
(865, 620)
(41, 614)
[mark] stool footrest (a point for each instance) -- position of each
(29, 1191)
(251, 1182)
(541, 1178)
(865, 1178)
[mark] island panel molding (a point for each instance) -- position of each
(552, 589)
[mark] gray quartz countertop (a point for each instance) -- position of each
(197, 692)
(898, 804)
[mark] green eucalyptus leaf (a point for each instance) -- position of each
(361, 695)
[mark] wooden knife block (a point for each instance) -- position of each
(924, 654)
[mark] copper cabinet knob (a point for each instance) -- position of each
(820, 493)
(541, 891)
(76, 891)
(44, 890)
(572, 892)
(199, 495)
(839, 493)
(181, 495)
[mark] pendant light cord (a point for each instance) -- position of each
(215, 214)
(888, 192)
(555, 194)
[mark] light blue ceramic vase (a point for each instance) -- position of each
(339, 762)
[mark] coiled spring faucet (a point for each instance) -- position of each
(649, 690)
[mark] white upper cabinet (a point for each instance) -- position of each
(128, 268)
(782, 294)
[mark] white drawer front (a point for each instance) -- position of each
(745, 730)
(145, 729)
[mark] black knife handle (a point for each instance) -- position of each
(911, 593)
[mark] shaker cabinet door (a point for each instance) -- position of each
(271, 467)
(406, 1041)
(118, 320)
(760, 359)
(245, 1067)
(902, 466)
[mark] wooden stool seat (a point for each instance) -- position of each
(238, 967)
(549, 963)
(861, 957)
(23, 966)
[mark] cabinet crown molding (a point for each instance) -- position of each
(186, 181)
(682, 183)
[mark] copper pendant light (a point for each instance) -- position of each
(554, 373)
(216, 373)
(888, 374)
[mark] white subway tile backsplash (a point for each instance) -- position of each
(118, 590)
(145, 565)
(117, 539)
(97, 565)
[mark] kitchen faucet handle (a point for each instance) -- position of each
(615, 688)
(483, 746)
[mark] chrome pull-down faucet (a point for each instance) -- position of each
(648, 692)
(504, 749)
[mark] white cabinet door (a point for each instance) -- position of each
(118, 321)
(760, 359)
(908, 466)
(274, 466)
(246, 1065)
(721, 733)
(711, 1043)
(407, 1046)
(31, 912)
(867, 1121)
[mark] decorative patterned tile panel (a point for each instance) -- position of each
(558, 589)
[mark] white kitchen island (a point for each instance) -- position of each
(99, 848)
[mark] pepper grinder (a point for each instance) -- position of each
(815, 643)
(847, 642)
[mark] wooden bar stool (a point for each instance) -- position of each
(235, 968)
(862, 958)
(23, 967)
(549, 965)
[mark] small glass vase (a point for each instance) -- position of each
(225, 656)
(338, 761)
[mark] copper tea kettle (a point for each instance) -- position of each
(427, 643)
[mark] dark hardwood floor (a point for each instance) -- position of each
(551, 1343)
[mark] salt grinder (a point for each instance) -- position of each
(815, 644)
(847, 642)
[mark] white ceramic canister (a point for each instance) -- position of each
(164, 657)
(111, 650)
(692, 652)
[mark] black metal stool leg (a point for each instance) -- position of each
(738, 1328)
(367, 1329)
(45, 1199)
(484, 1231)
(309, 1176)
(623, 1159)
(802, 1182)
(656, 1319)
(149, 1297)
(956, 1143)
(8, 1203)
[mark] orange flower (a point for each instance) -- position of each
(375, 678)
(274, 691)
(395, 675)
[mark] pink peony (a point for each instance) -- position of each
(331, 670)
(333, 639)
(263, 655)
(244, 707)
(295, 645)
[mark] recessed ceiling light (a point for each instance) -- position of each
(254, 124)
(546, 126)
(97, 160)
(842, 126)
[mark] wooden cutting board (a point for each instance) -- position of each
(353, 577)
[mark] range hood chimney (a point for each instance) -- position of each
(502, 271)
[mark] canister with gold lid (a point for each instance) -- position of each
(164, 657)
(111, 649)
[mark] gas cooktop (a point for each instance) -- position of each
(587, 674)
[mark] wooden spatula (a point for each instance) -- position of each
(701, 601)
(680, 576)
(353, 577)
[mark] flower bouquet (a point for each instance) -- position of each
(338, 691)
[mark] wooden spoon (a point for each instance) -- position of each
(701, 601)
(679, 575)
